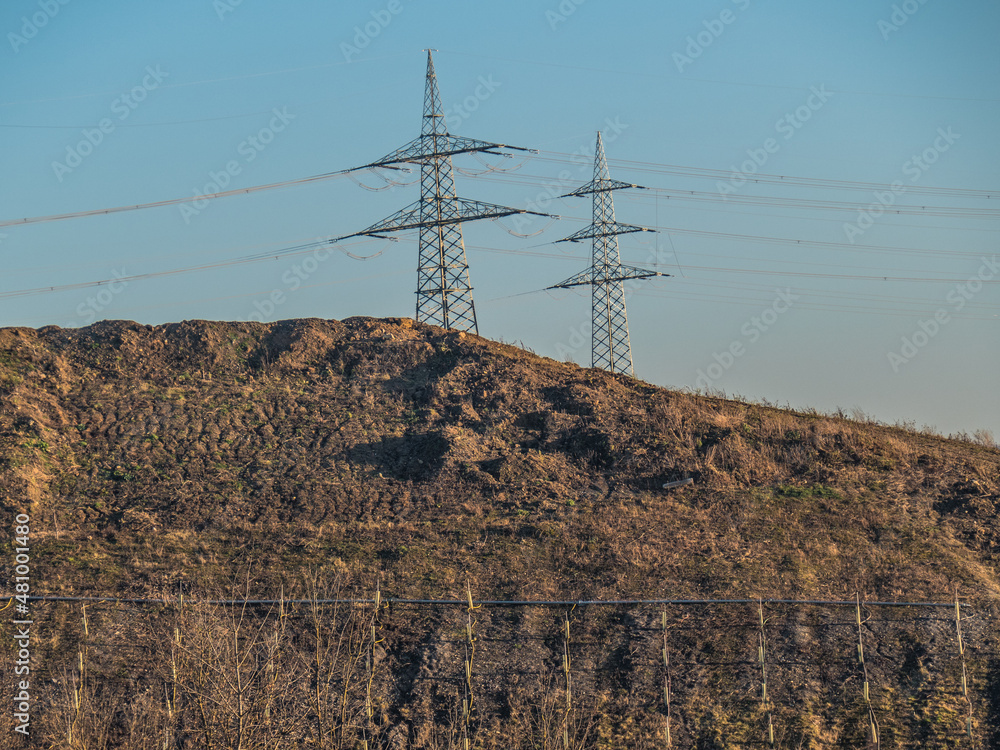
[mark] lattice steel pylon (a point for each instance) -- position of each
(610, 347)
(444, 294)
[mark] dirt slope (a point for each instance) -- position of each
(168, 459)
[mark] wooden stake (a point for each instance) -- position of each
(373, 641)
(566, 664)
(965, 674)
(470, 651)
(762, 658)
(666, 677)
(872, 720)
(569, 685)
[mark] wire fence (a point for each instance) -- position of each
(181, 599)
(762, 672)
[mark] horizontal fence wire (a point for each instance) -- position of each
(479, 602)
(587, 664)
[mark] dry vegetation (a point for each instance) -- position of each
(311, 455)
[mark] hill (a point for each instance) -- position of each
(315, 456)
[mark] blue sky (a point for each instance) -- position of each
(800, 289)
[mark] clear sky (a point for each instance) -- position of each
(772, 134)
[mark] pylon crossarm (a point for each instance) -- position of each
(604, 230)
(584, 278)
(407, 218)
(465, 210)
(622, 273)
(431, 146)
(601, 186)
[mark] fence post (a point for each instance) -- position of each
(761, 656)
(666, 676)
(373, 641)
(965, 673)
(872, 721)
(569, 685)
(470, 652)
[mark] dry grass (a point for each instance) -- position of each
(371, 450)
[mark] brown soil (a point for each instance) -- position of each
(179, 458)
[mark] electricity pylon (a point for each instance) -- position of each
(606, 276)
(444, 294)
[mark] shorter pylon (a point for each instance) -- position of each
(610, 346)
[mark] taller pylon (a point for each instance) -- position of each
(610, 347)
(444, 294)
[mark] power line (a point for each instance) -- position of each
(805, 304)
(172, 201)
(311, 246)
(742, 237)
(860, 296)
(727, 269)
(676, 194)
(772, 200)
(130, 309)
(287, 251)
(766, 178)
(680, 291)
(562, 157)
(763, 214)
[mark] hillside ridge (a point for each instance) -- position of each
(211, 459)
(395, 409)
